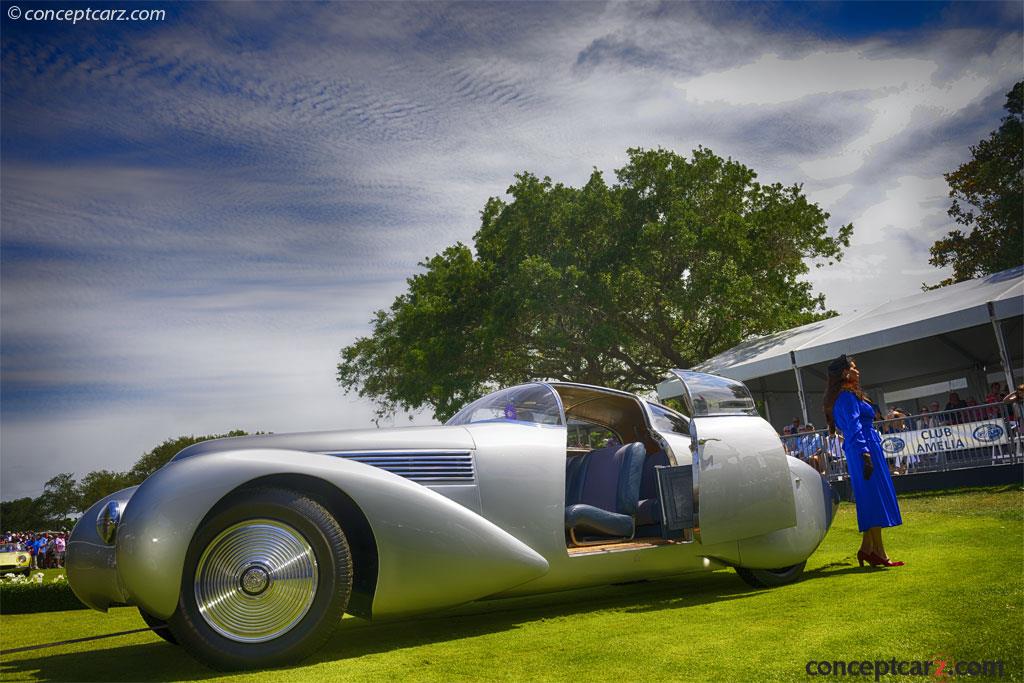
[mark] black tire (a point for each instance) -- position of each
(326, 584)
(159, 627)
(769, 578)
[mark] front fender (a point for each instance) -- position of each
(90, 563)
(432, 552)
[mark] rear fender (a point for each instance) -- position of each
(815, 507)
(432, 552)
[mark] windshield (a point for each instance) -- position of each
(10, 548)
(529, 403)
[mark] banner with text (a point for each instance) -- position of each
(944, 438)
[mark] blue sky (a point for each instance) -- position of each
(199, 212)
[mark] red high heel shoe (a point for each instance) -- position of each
(863, 557)
(880, 561)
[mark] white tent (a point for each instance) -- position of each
(971, 327)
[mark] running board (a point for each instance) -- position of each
(623, 546)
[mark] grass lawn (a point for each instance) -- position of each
(48, 574)
(959, 598)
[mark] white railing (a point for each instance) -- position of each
(930, 442)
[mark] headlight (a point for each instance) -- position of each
(22, 559)
(107, 521)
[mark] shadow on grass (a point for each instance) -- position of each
(838, 569)
(356, 638)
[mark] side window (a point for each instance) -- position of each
(584, 435)
(529, 403)
(707, 395)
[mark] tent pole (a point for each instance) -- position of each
(799, 386)
(1004, 357)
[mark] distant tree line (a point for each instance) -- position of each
(63, 497)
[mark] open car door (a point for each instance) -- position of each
(741, 479)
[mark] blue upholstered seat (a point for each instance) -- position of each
(603, 491)
(648, 515)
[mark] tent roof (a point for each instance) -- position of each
(917, 316)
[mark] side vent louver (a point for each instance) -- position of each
(422, 466)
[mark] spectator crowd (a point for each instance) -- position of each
(804, 442)
(46, 548)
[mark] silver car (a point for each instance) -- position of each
(248, 551)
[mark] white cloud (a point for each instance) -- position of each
(892, 115)
(772, 80)
(906, 209)
(893, 89)
(827, 196)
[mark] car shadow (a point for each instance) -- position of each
(840, 568)
(157, 660)
(361, 638)
(153, 661)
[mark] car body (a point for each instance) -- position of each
(14, 559)
(514, 495)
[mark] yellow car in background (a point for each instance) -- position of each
(14, 559)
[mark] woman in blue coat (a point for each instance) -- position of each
(847, 408)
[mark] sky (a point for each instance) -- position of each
(198, 212)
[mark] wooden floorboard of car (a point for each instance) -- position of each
(635, 544)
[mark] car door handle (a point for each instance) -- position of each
(701, 442)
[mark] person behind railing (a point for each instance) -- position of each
(993, 398)
(895, 422)
(956, 405)
(976, 414)
(1015, 406)
(847, 409)
(789, 440)
(913, 459)
(811, 447)
(921, 421)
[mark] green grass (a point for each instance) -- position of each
(48, 574)
(960, 596)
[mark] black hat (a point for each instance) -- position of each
(839, 365)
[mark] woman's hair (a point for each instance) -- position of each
(836, 383)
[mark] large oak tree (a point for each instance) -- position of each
(679, 259)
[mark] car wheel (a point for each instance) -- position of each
(266, 580)
(767, 578)
(159, 626)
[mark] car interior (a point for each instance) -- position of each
(611, 487)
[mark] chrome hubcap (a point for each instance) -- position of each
(256, 580)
